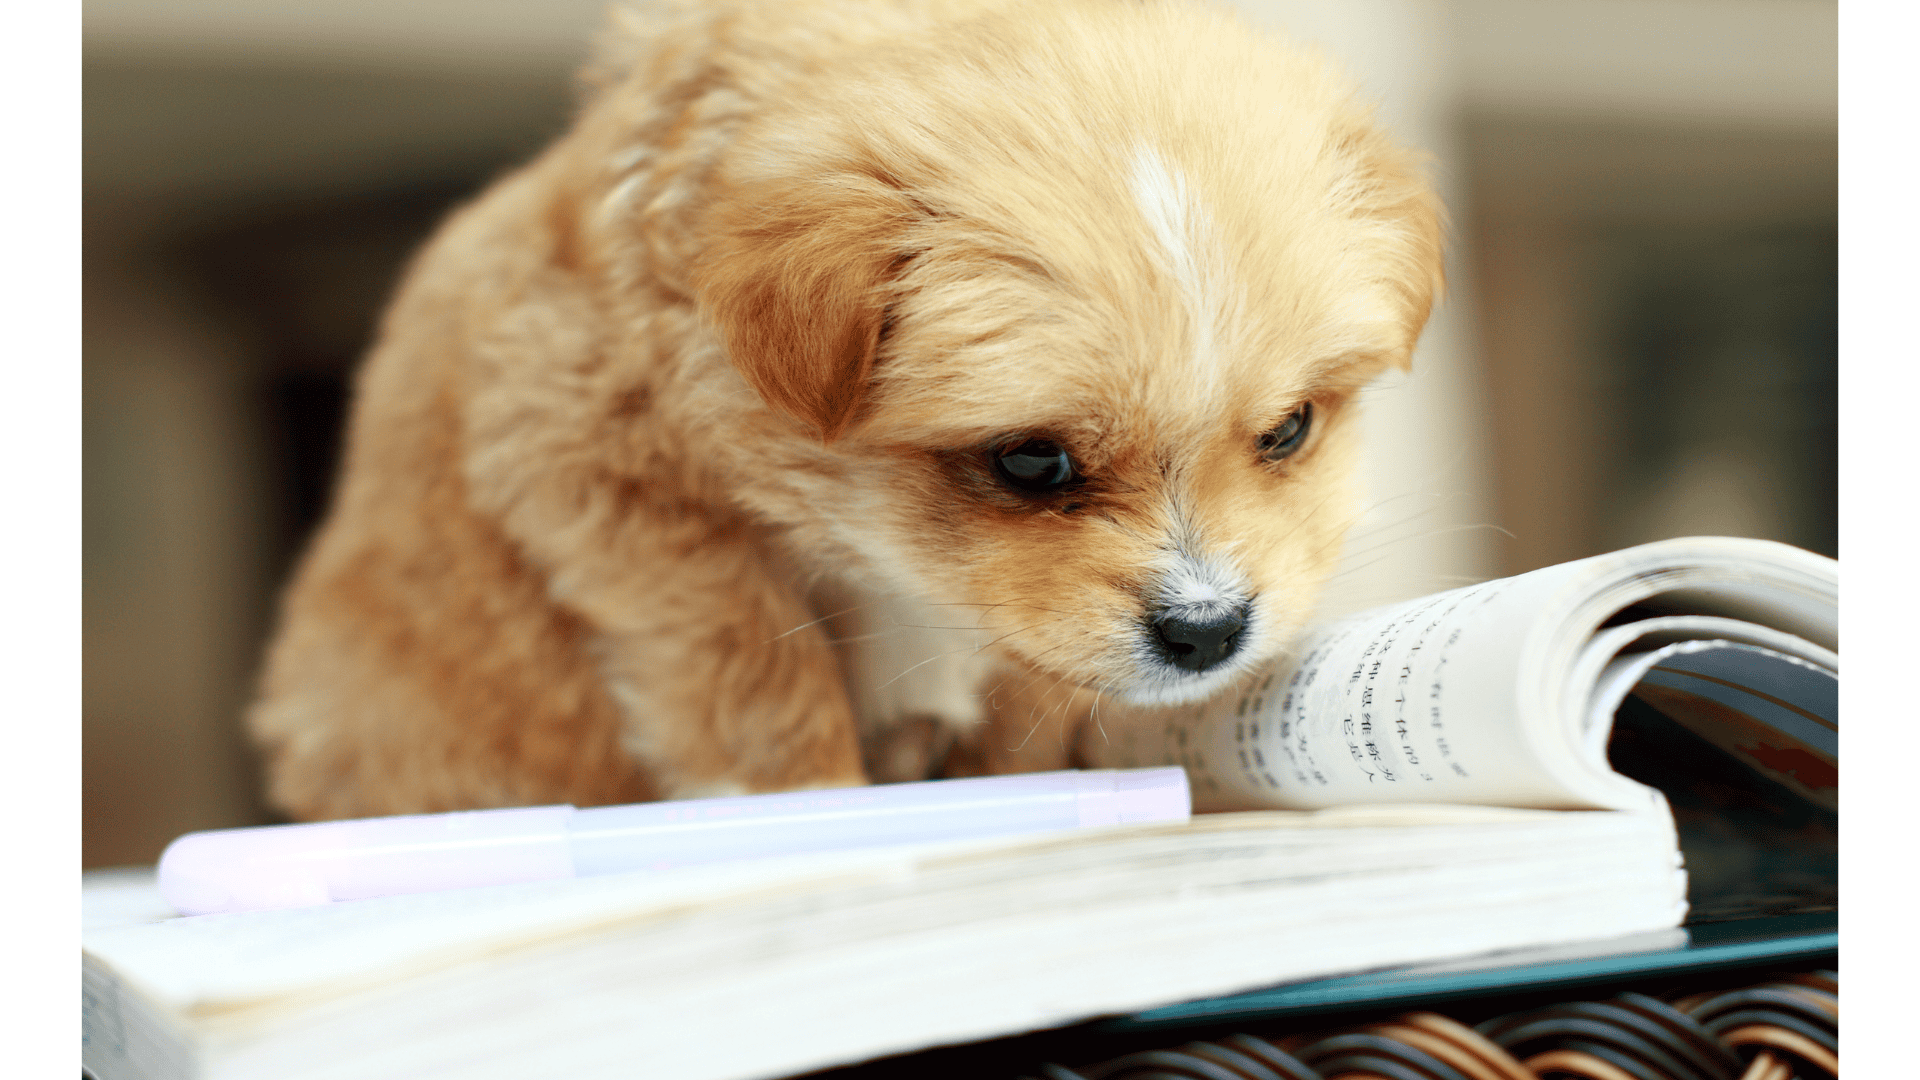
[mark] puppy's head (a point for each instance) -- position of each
(1075, 308)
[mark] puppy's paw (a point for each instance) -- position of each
(915, 748)
(709, 789)
(722, 789)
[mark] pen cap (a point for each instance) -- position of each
(280, 866)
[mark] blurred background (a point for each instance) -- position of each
(1639, 340)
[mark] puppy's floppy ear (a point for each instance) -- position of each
(1386, 186)
(795, 279)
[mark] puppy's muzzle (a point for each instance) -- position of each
(1196, 637)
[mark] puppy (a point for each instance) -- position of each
(896, 376)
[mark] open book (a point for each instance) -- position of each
(771, 968)
(1504, 693)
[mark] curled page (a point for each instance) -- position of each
(1776, 712)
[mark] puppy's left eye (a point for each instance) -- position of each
(1288, 437)
(1036, 465)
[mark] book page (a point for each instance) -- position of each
(1415, 702)
(1777, 713)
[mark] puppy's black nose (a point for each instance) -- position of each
(1196, 643)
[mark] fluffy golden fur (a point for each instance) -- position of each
(672, 472)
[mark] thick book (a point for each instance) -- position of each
(779, 966)
(771, 968)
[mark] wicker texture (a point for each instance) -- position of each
(1786, 1027)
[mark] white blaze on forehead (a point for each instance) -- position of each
(1189, 252)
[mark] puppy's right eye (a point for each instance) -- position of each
(1036, 465)
(1282, 441)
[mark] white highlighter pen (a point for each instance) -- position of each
(282, 866)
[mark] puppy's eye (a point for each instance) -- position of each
(1282, 441)
(1036, 465)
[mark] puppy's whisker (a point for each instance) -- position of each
(927, 626)
(817, 622)
(956, 652)
(1438, 499)
(1057, 680)
(1439, 580)
(1008, 678)
(1003, 681)
(918, 666)
(898, 625)
(985, 609)
(1451, 529)
(1371, 510)
(1377, 543)
(1502, 530)
(1342, 574)
(1383, 529)
(1094, 715)
(1391, 542)
(873, 636)
(1301, 521)
(965, 603)
(1039, 672)
(1037, 724)
(1030, 731)
(1019, 630)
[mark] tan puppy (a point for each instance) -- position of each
(852, 371)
